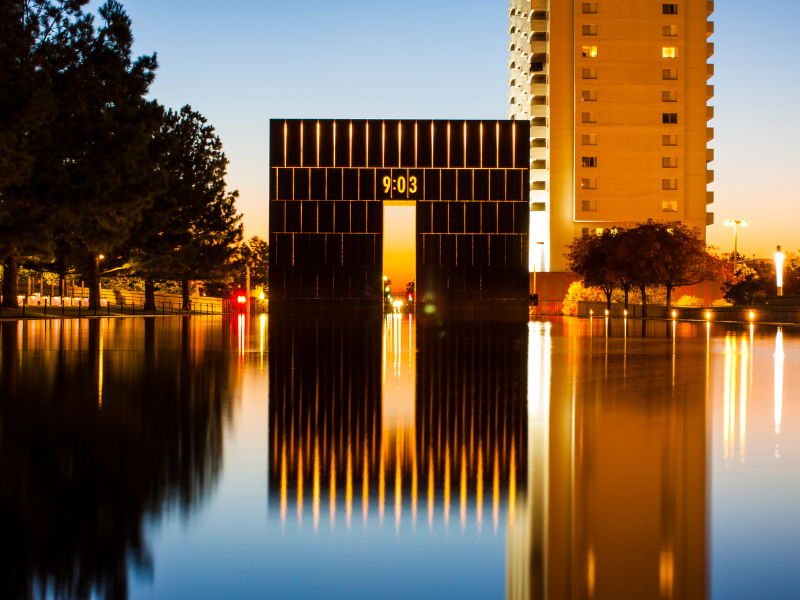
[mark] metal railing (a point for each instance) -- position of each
(46, 307)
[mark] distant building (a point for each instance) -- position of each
(616, 94)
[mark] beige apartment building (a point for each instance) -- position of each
(617, 94)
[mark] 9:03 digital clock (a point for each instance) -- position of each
(399, 184)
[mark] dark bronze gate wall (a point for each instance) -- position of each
(329, 181)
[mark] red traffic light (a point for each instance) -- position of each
(411, 297)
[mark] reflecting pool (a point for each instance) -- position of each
(396, 457)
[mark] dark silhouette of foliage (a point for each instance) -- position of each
(664, 253)
(36, 39)
(78, 485)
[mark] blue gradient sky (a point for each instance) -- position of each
(243, 62)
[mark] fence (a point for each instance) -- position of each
(556, 308)
(43, 305)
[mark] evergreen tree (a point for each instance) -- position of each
(100, 173)
(36, 37)
(192, 229)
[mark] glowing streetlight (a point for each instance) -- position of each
(752, 315)
(779, 257)
(708, 314)
(735, 225)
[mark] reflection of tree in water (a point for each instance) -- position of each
(94, 442)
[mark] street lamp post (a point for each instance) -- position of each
(779, 270)
(736, 225)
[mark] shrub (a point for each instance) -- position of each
(688, 301)
(721, 302)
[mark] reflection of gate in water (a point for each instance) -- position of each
(445, 440)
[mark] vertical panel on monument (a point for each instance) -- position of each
(472, 223)
(326, 224)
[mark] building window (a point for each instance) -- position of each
(670, 30)
(669, 162)
(669, 118)
(589, 205)
(589, 139)
(590, 8)
(591, 74)
(669, 52)
(589, 184)
(668, 74)
(589, 161)
(669, 184)
(668, 9)
(669, 96)
(589, 29)
(589, 95)
(585, 231)
(669, 206)
(589, 52)
(669, 140)
(589, 117)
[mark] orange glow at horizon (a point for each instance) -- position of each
(399, 245)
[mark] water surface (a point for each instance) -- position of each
(211, 457)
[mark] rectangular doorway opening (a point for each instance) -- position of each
(399, 248)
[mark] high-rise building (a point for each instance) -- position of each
(616, 93)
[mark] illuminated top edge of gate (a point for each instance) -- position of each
(469, 181)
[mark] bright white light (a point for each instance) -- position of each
(397, 303)
(779, 257)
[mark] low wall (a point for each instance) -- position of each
(730, 314)
(741, 314)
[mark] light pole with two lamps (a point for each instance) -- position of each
(736, 225)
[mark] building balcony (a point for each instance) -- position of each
(709, 155)
(538, 165)
(709, 71)
(538, 110)
(538, 153)
(709, 198)
(709, 28)
(540, 175)
(538, 47)
(709, 49)
(538, 24)
(537, 5)
(537, 67)
(539, 89)
(538, 132)
(709, 7)
(709, 113)
(709, 176)
(709, 134)
(709, 218)
(539, 196)
(709, 92)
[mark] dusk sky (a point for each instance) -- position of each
(243, 62)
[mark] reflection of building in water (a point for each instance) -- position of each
(432, 424)
(616, 496)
